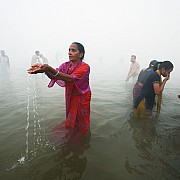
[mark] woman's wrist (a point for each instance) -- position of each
(57, 72)
(48, 71)
(47, 68)
(51, 71)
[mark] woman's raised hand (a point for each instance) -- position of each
(38, 68)
(167, 77)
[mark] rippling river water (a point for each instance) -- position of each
(117, 147)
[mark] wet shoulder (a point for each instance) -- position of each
(154, 76)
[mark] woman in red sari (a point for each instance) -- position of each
(74, 76)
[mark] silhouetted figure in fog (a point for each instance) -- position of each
(4, 62)
(44, 60)
(36, 58)
(134, 70)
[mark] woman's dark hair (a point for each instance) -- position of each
(80, 48)
(153, 65)
(166, 64)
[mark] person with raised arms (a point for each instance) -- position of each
(74, 76)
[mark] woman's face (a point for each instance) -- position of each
(74, 54)
(165, 72)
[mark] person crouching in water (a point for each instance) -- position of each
(152, 87)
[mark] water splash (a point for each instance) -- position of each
(36, 141)
(28, 113)
(36, 138)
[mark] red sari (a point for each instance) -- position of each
(77, 94)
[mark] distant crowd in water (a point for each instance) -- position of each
(74, 76)
(37, 58)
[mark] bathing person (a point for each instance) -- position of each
(153, 86)
(36, 58)
(134, 70)
(4, 62)
(44, 60)
(74, 76)
(143, 75)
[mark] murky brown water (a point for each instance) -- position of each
(117, 147)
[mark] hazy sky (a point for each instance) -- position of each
(111, 30)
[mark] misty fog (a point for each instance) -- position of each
(35, 143)
(110, 30)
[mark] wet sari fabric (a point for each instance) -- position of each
(77, 94)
